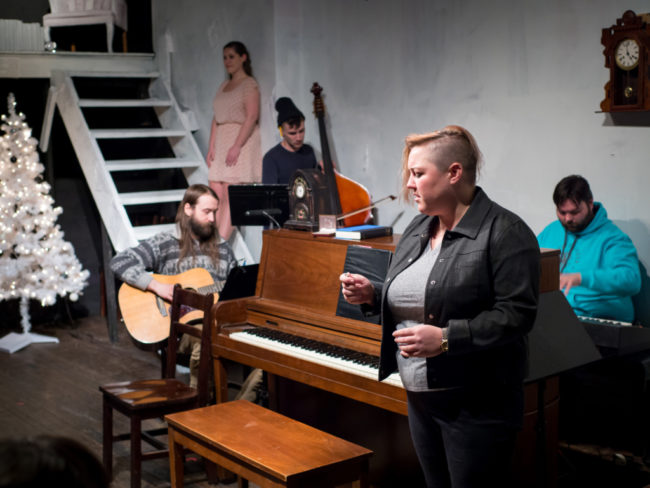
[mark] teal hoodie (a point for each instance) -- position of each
(607, 261)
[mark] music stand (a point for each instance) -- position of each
(258, 204)
(557, 343)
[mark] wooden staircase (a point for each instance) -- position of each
(137, 155)
(135, 149)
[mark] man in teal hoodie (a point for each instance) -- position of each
(599, 267)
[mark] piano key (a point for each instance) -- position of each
(614, 337)
(597, 320)
(324, 354)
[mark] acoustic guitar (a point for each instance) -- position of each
(146, 315)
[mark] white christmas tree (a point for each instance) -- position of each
(35, 262)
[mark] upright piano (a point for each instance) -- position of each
(297, 294)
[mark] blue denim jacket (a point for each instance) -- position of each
(483, 288)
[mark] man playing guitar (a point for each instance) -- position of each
(195, 244)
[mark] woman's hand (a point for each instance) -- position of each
(233, 155)
(210, 157)
(357, 289)
(419, 341)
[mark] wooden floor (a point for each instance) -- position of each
(53, 389)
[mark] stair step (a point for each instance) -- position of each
(146, 231)
(113, 74)
(144, 197)
(135, 133)
(152, 163)
(126, 102)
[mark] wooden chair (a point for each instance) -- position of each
(147, 399)
(264, 447)
(75, 12)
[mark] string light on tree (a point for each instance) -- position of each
(35, 262)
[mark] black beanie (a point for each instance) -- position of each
(287, 110)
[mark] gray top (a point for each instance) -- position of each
(406, 301)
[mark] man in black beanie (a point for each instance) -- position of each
(281, 161)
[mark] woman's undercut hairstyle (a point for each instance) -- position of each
(241, 50)
(448, 145)
(574, 188)
(183, 222)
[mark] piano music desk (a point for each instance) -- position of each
(264, 447)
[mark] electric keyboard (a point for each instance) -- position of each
(599, 321)
(615, 338)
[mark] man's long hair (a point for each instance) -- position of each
(209, 247)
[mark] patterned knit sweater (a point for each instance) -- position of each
(159, 254)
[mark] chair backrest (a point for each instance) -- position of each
(183, 301)
(117, 7)
(59, 6)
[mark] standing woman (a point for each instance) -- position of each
(457, 303)
(235, 148)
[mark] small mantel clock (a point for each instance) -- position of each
(627, 53)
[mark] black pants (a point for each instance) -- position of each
(466, 437)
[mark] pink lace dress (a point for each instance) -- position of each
(229, 114)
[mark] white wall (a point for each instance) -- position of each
(525, 77)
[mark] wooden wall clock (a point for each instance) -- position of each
(627, 53)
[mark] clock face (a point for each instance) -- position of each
(627, 54)
(299, 189)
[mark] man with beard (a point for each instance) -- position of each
(291, 154)
(599, 267)
(195, 244)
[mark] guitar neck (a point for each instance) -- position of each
(204, 290)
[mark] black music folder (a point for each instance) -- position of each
(371, 263)
(240, 283)
(558, 341)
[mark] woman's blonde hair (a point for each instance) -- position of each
(448, 145)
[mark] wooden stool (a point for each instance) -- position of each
(264, 447)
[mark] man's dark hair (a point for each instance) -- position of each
(574, 188)
(294, 122)
(288, 112)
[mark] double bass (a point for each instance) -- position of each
(349, 200)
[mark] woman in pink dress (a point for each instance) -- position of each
(235, 148)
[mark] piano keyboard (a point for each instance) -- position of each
(599, 321)
(313, 351)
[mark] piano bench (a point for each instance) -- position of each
(264, 447)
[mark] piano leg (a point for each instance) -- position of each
(220, 380)
(394, 462)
